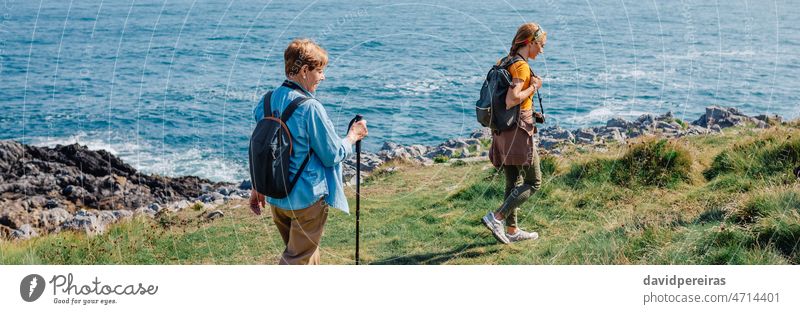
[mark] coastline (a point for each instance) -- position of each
(49, 190)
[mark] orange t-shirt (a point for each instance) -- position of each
(522, 71)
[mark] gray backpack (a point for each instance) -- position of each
(490, 108)
(271, 148)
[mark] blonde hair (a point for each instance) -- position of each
(303, 51)
(527, 33)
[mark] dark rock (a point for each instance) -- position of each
(668, 125)
(666, 117)
(51, 219)
(550, 143)
(215, 214)
(557, 133)
(51, 204)
(86, 222)
(389, 146)
(449, 152)
(10, 154)
(225, 191)
(246, 185)
(218, 197)
(646, 120)
(206, 198)
(723, 117)
(177, 206)
(107, 217)
(24, 232)
(455, 143)
(36, 180)
(585, 136)
(696, 130)
(36, 201)
(618, 123)
(482, 133)
(68, 190)
(769, 119)
(472, 141)
(612, 134)
(392, 151)
(145, 211)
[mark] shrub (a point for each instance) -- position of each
(767, 204)
(440, 159)
(458, 163)
(724, 245)
(773, 153)
(549, 165)
(653, 162)
(595, 170)
(731, 183)
(782, 231)
(682, 123)
(659, 163)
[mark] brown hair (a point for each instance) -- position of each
(303, 51)
(525, 34)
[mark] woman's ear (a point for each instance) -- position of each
(304, 71)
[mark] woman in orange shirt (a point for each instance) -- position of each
(515, 149)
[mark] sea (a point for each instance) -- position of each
(169, 86)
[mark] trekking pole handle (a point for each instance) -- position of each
(356, 119)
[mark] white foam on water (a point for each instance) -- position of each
(417, 87)
(152, 159)
(613, 74)
(698, 54)
(628, 109)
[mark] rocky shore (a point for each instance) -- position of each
(47, 190)
(70, 187)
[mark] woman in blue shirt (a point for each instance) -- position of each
(301, 216)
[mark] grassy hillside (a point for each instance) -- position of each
(716, 199)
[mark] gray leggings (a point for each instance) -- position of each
(521, 182)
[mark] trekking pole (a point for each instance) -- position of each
(358, 185)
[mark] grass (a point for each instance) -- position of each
(652, 162)
(772, 153)
(697, 200)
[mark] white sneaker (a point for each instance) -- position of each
(496, 227)
(522, 235)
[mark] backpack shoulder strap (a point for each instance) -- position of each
(267, 104)
(300, 171)
(285, 116)
(509, 60)
(292, 107)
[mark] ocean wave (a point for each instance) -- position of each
(697, 54)
(417, 87)
(628, 109)
(152, 158)
(614, 74)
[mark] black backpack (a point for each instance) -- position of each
(490, 108)
(271, 148)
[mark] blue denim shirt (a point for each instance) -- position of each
(310, 125)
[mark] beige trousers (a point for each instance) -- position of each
(301, 231)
